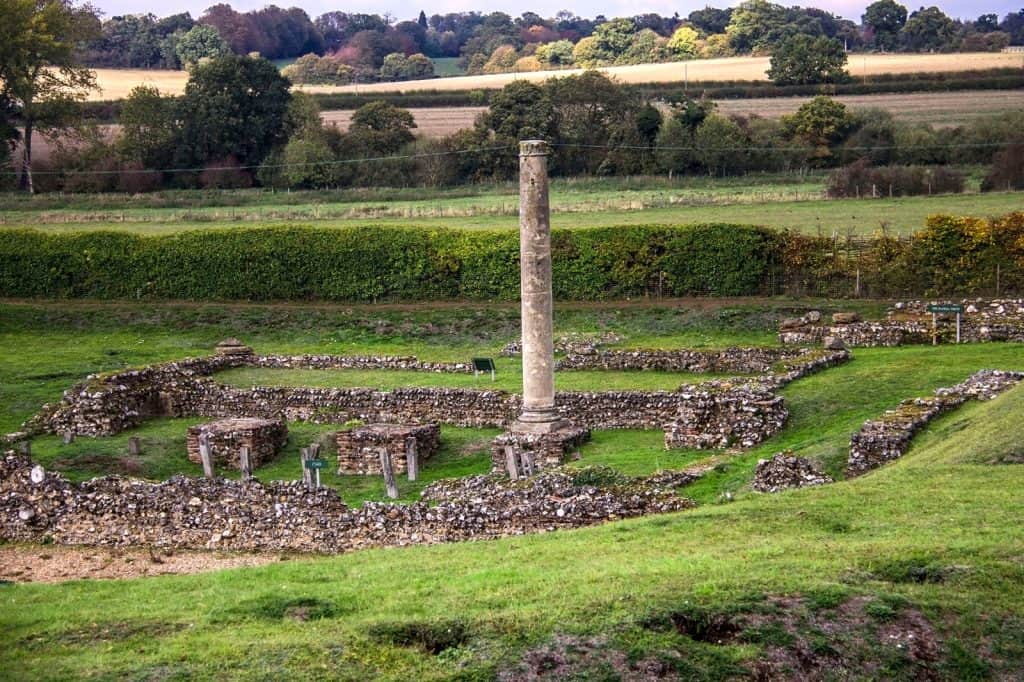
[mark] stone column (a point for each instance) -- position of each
(539, 415)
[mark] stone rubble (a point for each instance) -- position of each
(882, 440)
(785, 471)
(233, 515)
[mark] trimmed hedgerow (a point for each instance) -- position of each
(952, 255)
(368, 264)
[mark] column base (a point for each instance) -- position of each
(539, 422)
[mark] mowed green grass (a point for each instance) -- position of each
(793, 205)
(372, 612)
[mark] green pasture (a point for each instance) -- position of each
(933, 534)
(447, 66)
(796, 203)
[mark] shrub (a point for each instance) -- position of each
(859, 179)
(226, 173)
(1007, 172)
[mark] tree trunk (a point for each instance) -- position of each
(25, 182)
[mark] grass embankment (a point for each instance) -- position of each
(796, 203)
(927, 534)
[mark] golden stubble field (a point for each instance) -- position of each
(117, 83)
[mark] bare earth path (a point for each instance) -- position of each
(56, 564)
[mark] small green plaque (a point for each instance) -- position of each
(316, 463)
(483, 365)
(945, 308)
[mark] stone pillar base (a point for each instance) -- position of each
(532, 452)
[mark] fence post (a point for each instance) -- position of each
(389, 474)
(510, 463)
(245, 463)
(412, 465)
(307, 474)
(205, 455)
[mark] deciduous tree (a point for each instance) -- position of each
(40, 77)
(803, 60)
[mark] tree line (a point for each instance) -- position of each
(357, 46)
(239, 125)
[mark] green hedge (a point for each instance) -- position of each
(366, 264)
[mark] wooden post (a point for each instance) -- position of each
(134, 446)
(529, 469)
(205, 454)
(412, 464)
(69, 437)
(245, 463)
(510, 463)
(314, 453)
(389, 473)
(307, 474)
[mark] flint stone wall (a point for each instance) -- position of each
(742, 417)
(738, 360)
(882, 440)
(263, 437)
(359, 448)
(37, 505)
(546, 450)
(909, 322)
(108, 404)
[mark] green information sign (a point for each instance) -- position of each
(945, 308)
(316, 463)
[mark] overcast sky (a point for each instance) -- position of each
(400, 9)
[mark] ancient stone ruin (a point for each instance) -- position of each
(524, 454)
(742, 416)
(359, 448)
(218, 513)
(882, 440)
(263, 437)
(910, 322)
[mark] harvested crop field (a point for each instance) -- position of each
(430, 121)
(942, 109)
(117, 83)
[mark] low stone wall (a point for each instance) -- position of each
(359, 448)
(263, 437)
(909, 322)
(37, 505)
(887, 438)
(389, 362)
(728, 360)
(717, 419)
(105, 405)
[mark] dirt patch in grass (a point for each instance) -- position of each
(101, 633)
(56, 564)
(121, 466)
(567, 657)
(799, 639)
(433, 637)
